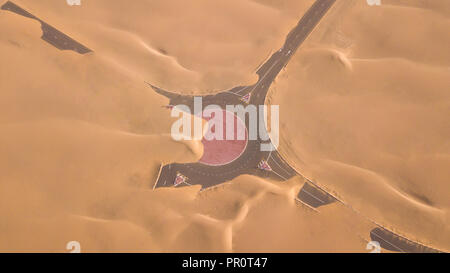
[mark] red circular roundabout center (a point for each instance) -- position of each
(221, 151)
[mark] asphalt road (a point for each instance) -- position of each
(49, 34)
(208, 176)
(392, 242)
(309, 196)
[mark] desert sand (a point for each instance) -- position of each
(365, 112)
(83, 138)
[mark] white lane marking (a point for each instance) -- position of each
(280, 166)
(159, 175)
(242, 89)
(310, 194)
(236, 94)
(390, 243)
(298, 200)
(278, 174)
(261, 80)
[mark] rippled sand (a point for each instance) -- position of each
(365, 109)
(82, 137)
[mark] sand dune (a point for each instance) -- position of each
(209, 46)
(83, 137)
(79, 137)
(365, 113)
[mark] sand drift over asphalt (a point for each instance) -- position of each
(83, 138)
(365, 109)
(198, 46)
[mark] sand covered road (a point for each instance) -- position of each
(365, 113)
(196, 46)
(82, 138)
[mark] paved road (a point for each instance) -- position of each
(310, 196)
(247, 163)
(49, 34)
(391, 241)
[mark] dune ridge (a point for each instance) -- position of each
(84, 138)
(375, 135)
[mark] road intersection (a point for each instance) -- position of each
(275, 167)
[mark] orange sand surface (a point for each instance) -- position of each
(83, 138)
(365, 113)
(197, 46)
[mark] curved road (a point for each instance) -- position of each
(247, 163)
